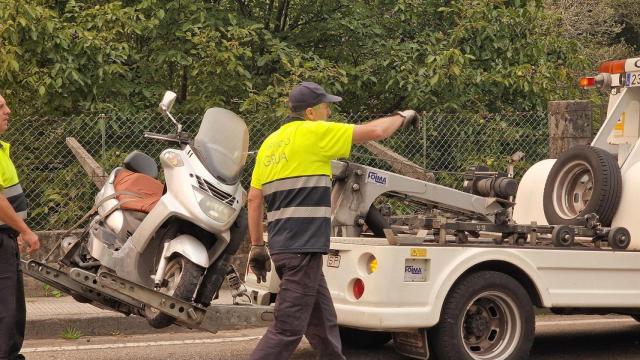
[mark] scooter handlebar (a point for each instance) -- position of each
(165, 137)
(181, 138)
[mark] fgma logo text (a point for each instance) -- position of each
(374, 177)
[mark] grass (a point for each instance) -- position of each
(71, 333)
(51, 291)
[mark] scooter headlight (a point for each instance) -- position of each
(214, 208)
(173, 158)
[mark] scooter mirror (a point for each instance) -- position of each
(167, 101)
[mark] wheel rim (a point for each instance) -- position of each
(491, 326)
(565, 237)
(573, 190)
(173, 274)
(620, 238)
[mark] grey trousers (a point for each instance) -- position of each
(303, 307)
(12, 304)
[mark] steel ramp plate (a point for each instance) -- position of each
(214, 318)
(64, 282)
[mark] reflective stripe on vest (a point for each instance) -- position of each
(17, 199)
(303, 196)
(299, 213)
(295, 182)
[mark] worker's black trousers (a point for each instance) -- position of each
(12, 306)
(303, 307)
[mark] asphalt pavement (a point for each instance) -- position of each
(557, 338)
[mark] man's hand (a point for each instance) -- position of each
(411, 119)
(260, 262)
(30, 239)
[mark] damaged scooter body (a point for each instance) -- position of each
(185, 238)
(134, 261)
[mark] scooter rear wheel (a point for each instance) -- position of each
(182, 277)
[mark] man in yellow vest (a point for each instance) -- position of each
(14, 235)
(292, 176)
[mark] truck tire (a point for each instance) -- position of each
(362, 339)
(583, 180)
(183, 277)
(486, 315)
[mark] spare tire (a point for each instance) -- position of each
(584, 180)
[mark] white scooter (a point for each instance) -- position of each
(183, 246)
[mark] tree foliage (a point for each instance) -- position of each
(68, 56)
(607, 29)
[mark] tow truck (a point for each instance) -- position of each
(460, 275)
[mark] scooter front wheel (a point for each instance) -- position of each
(182, 277)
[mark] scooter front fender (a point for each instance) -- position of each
(189, 247)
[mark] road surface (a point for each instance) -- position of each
(557, 338)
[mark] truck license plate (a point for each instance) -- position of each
(333, 261)
(633, 79)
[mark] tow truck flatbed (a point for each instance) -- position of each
(108, 290)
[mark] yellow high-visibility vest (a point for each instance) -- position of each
(293, 170)
(10, 183)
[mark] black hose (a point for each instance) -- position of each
(376, 222)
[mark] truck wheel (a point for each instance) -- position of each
(486, 315)
(362, 339)
(583, 180)
(182, 277)
(563, 236)
(619, 238)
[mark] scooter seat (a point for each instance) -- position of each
(142, 163)
(142, 191)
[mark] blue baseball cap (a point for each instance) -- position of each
(309, 94)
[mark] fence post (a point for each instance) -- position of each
(570, 124)
(103, 132)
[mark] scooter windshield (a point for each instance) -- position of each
(222, 144)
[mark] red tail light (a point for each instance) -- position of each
(588, 82)
(358, 288)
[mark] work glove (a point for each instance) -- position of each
(411, 119)
(260, 262)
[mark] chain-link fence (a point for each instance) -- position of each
(60, 192)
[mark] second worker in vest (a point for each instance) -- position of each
(293, 176)
(14, 234)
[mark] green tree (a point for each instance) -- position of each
(482, 55)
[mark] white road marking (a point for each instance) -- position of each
(138, 344)
(576, 322)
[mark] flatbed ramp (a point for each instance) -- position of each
(110, 291)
